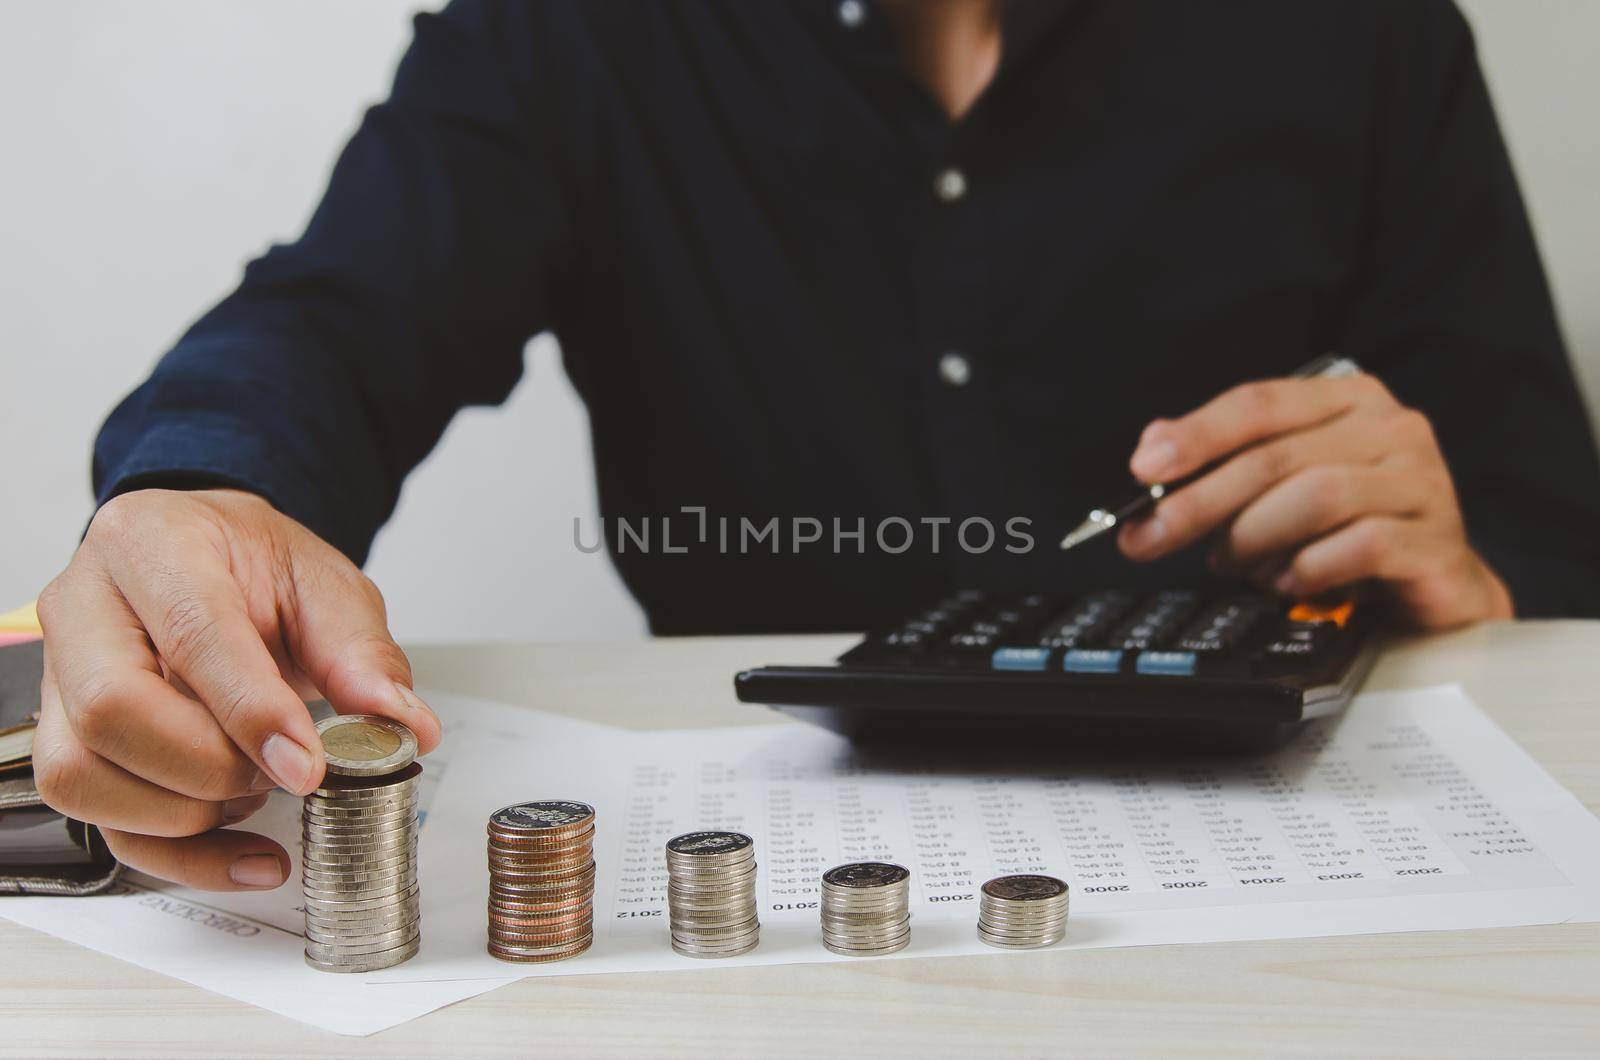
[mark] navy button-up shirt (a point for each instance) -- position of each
(788, 286)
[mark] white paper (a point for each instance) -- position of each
(1411, 812)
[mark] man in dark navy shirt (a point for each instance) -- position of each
(819, 268)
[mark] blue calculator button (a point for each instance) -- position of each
(1020, 658)
(1092, 661)
(1169, 663)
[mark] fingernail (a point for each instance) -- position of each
(1151, 460)
(411, 699)
(257, 870)
(238, 809)
(1287, 584)
(289, 762)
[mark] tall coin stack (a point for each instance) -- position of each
(865, 908)
(541, 881)
(358, 864)
(1023, 912)
(711, 894)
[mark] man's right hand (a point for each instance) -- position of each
(180, 645)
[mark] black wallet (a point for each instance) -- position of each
(41, 851)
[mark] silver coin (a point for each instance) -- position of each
(867, 933)
(711, 880)
(400, 824)
(1022, 937)
(872, 951)
(365, 824)
(359, 891)
(340, 904)
(339, 815)
(369, 963)
(864, 912)
(542, 951)
(338, 857)
(323, 871)
(399, 916)
(536, 817)
(541, 844)
(331, 951)
(336, 863)
(866, 874)
(394, 933)
(709, 844)
(374, 846)
(358, 877)
(363, 745)
(337, 789)
(554, 878)
(866, 942)
(702, 954)
(369, 941)
(724, 947)
(1025, 888)
(709, 898)
(1019, 944)
(372, 801)
(323, 876)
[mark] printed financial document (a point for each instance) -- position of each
(1413, 811)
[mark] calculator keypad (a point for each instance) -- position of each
(1170, 634)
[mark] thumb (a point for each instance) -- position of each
(339, 637)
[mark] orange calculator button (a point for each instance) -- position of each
(1306, 611)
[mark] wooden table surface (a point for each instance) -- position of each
(1501, 992)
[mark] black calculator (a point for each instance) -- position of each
(1224, 667)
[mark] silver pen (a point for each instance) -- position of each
(1139, 503)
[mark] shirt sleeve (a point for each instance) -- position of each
(1452, 311)
(335, 366)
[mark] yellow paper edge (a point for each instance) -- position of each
(24, 619)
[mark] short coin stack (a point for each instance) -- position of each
(865, 908)
(711, 894)
(1023, 912)
(541, 881)
(358, 863)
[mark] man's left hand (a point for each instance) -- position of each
(1317, 484)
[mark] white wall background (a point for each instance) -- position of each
(148, 149)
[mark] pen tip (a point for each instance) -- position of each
(1098, 522)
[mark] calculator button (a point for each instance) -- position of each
(1086, 621)
(1020, 659)
(1314, 613)
(1156, 622)
(1222, 625)
(1166, 663)
(972, 641)
(1092, 661)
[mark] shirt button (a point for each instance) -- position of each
(954, 369)
(950, 185)
(852, 13)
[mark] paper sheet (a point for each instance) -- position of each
(1411, 812)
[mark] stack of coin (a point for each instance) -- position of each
(358, 861)
(711, 894)
(541, 881)
(865, 908)
(1023, 912)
